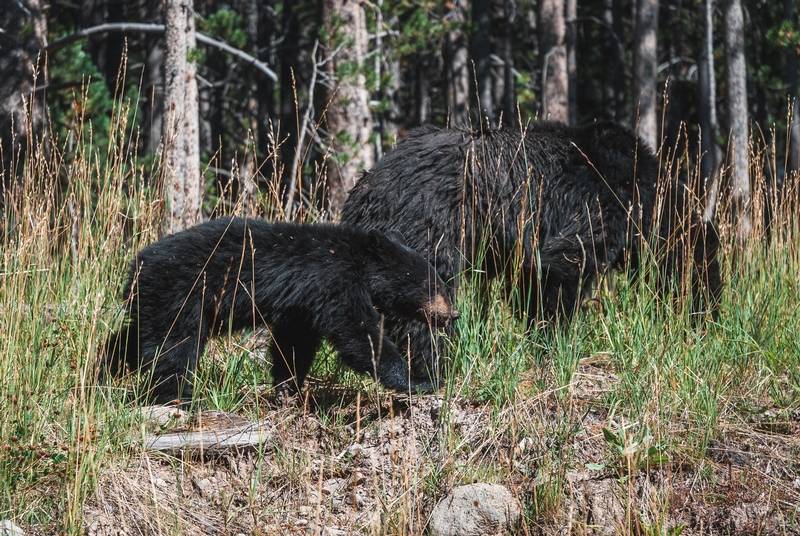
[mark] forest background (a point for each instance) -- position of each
(326, 87)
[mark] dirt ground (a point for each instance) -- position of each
(378, 465)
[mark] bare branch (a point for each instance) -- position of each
(133, 27)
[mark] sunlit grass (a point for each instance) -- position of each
(71, 225)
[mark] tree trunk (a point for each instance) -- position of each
(509, 97)
(736, 82)
(211, 102)
(481, 52)
(289, 113)
(193, 185)
(553, 53)
(181, 153)
(614, 78)
(644, 71)
(106, 50)
(458, 65)
(390, 126)
(422, 97)
(572, 66)
(265, 87)
(674, 105)
(25, 34)
(348, 118)
(175, 106)
(709, 126)
(153, 93)
(756, 32)
(792, 165)
(379, 91)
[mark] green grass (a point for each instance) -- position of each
(632, 375)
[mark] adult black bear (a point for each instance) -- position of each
(550, 208)
(306, 282)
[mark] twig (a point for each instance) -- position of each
(544, 80)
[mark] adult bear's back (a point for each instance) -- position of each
(452, 191)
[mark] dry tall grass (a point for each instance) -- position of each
(629, 409)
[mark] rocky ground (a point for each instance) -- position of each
(343, 464)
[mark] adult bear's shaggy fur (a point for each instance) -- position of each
(306, 282)
(550, 208)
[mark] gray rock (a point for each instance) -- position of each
(8, 528)
(159, 418)
(476, 510)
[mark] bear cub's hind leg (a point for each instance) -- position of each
(292, 356)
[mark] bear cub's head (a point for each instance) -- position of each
(403, 282)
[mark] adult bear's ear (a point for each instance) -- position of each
(396, 236)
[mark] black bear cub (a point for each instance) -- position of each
(306, 282)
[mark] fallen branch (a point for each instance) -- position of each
(211, 440)
(210, 431)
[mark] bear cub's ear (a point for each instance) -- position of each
(374, 237)
(396, 236)
(376, 240)
(385, 243)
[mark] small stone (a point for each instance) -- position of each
(204, 485)
(355, 449)
(436, 410)
(476, 510)
(525, 445)
(162, 417)
(333, 485)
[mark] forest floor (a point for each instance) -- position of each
(343, 464)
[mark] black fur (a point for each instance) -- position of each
(551, 209)
(306, 282)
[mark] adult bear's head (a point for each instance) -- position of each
(401, 281)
